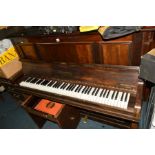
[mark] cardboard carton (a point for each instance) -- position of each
(9, 63)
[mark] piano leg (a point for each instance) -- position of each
(134, 125)
(69, 118)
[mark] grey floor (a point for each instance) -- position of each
(12, 116)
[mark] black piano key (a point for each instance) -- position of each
(34, 80)
(116, 95)
(101, 92)
(126, 97)
(104, 93)
(77, 88)
(89, 90)
(94, 91)
(108, 94)
(62, 85)
(71, 88)
(38, 82)
(112, 96)
(51, 83)
(65, 85)
(74, 85)
(68, 86)
(97, 91)
(37, 79)
(59, 84)
(45, 83)
(55, 85)
(84, 89)
(122, 97)
(31, 79)
(28, 79)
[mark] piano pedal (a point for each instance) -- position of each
(85, 119)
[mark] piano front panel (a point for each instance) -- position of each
(80, 53)
(112, 51)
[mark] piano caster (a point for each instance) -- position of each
(85, 119)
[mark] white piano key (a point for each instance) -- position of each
(101, 97)
(123, 101)
(113, 100)
(109, 97)
(98, 95)
(80, 92)
(90, 95)
(119, 99)
(127, 101)
(104, 97)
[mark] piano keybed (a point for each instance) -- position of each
(100, 95)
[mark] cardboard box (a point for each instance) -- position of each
(147, 66)
(9, 63)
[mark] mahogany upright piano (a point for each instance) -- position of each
(110, 94)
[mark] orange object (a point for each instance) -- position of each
(49, 107)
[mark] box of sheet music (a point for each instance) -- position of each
(147, 66)
(9, 60)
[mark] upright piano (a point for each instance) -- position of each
(82, 76)
(110, 94)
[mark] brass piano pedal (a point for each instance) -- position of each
(85, 119)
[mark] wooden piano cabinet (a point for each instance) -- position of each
(67, 118)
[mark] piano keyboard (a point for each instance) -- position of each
(93, 94)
